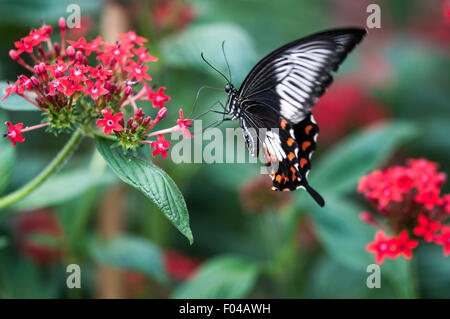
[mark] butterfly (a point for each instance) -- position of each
(273, 104)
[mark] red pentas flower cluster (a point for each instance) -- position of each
(409, 201)
(78, 84)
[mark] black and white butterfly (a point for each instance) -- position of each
(277, 96)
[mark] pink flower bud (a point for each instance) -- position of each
(130, 122)
(42, 68)
(57, 48)
(34, 81)
(62, 24)
(79, 56)
(128, 91)
(368, 218)
(13, 54)
(147, 121)
(70, 51)
(138, 114)
(162, 113)
(37, 70)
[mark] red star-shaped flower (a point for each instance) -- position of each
(110, 122)
(426, 228)
(72, 87)
(444, 239)
(159, 98)
(56, 85)
(95, 90)
(161, 146)
(14, 133)
(137, 71)
(94, 46)
(81, 44)
(23, 46)
(142, 54)
(184, 125)
(11, 89)
(403, 245)
(100, 72)
(382, 247)
(132, 37)
(76, 73)
(57, 70)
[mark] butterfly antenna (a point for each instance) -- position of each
(206, 61)
(226, 61)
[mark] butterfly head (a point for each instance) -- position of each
(229, 88)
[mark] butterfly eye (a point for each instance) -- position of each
(227, 88)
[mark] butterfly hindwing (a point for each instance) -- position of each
(298, 142)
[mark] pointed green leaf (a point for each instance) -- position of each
(151, 180)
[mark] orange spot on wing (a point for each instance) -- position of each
(308, 129)
(278, 178)
(303, 162)
(291, 156)
(283, 124)
(293, 172)
(305, 145)
(290, 141)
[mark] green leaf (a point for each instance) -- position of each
(131, 253)
(61, 188)
(151, 180)
(343, 234)
(433, 271)
(8, 156)
(14, 102)
(183, 50)
(222, 277)
(342, 167)
(3, 242)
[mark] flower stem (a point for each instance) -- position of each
(45, 174)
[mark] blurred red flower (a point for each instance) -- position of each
(382, 247)
(179, 266)
(345, 106)
(256, 195)
(34, 223)
(86, 23)
(14, 133)
(409, 200)
(172, 15)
